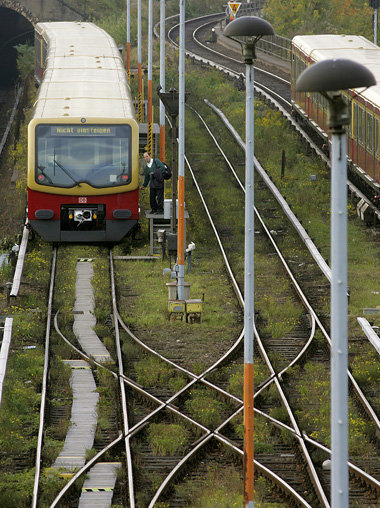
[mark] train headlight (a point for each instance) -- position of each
(71, 216)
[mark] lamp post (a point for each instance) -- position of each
(170, 101)
(139, 64)
(375, 5)
(329, 77)
(162, 80)
(181, 157)
(150, 58)
(248, 30)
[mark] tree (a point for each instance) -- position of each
(296, 17)
(25, 60)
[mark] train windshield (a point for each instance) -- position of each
(68, 155)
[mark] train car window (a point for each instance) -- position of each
(68, 155)
(324, 103)
(377, 138)
(346, 100)
(294, 71)
(355, 122)
(369, 132)
(361, 125)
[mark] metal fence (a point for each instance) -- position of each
(276, 45)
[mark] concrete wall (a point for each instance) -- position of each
(42, 10)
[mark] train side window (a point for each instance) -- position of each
(324, 103)
(355, 122)
(361, 125)
(377, 138)
(346, 101)
(294, 68)
(369, 132)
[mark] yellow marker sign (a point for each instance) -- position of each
(234, 7)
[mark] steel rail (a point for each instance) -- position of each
(259, 86)
(313, 474)
(11, 119)
(367, 406)
(208, 436)
(318, 258)
(268, 473)
(128, 454)
(195, 377)
(228, 57)
(5, 345)
(374, 482)
(132, 384)
(156, 33)
(294, 282)
(296, 432)
(44, 383)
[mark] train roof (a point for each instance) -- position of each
(352, 47)
(83, 76)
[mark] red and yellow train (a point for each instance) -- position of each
(83, 139)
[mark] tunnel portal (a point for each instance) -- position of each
(14, 30)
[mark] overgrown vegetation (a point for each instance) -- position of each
(314, 411)
(167, 439)
(300, 17)
(154, 372)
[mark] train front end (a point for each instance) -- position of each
(83, 178)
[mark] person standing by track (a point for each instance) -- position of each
(154, 170)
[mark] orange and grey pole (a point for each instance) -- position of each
(139, 64)
(181, 157)
(249, 295)
(162, 80)
(150, 105)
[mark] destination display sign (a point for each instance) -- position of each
(81, 130)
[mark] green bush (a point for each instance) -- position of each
(153, 372)
(205, 408)
(366, 369)
(167, 439)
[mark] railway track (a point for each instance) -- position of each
(274, 465)
(151, 405)
(9, 102)
(311, 288)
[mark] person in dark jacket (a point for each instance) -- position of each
(154, 177)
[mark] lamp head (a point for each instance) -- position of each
(334, 74)
(330, 77)
(248, 30)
